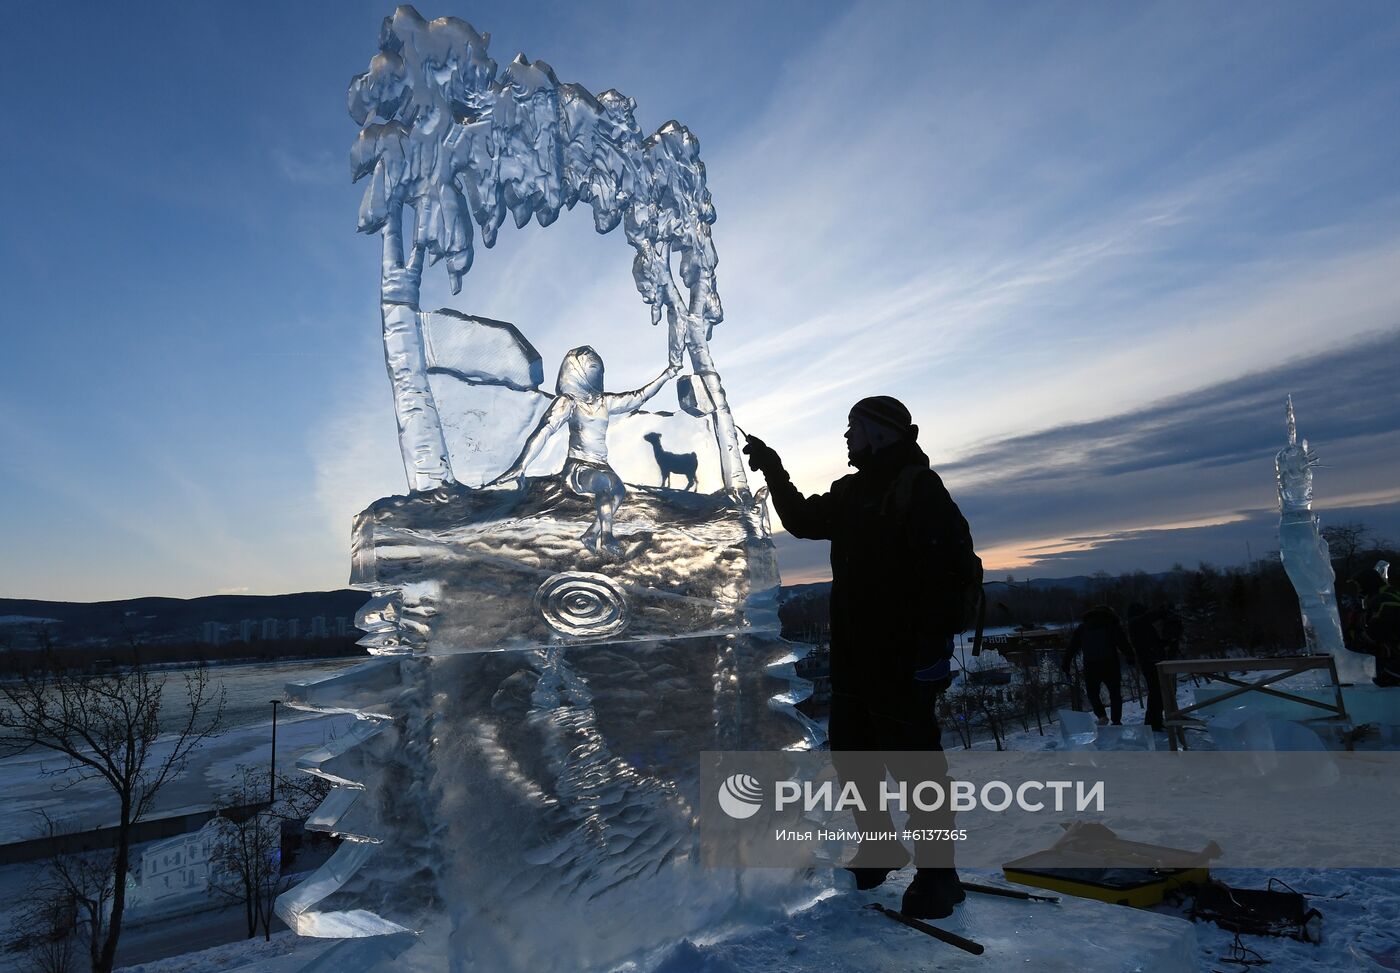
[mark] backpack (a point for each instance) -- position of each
(970, 605)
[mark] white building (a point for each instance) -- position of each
(178, 865)
(185, 865)
(294, 628)
(212, 633)
(271, 628)
(318, 627)
(247, 628)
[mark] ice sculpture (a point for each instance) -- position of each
(521, 788)
(581, 402)
(442, 134)
(1308, 561)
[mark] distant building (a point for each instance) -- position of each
(271, 628)
(247, 630)
(188, 864)
(318, 627)
(178, 865)
(212, 633)
(294, 628)
(342, 626)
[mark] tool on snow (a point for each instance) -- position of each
(942, 935)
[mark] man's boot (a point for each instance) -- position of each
(873, 862)
(933, 894)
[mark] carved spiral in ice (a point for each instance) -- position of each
(582, 603)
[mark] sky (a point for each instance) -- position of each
(1092, 246)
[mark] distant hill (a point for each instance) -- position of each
(157, 621)
(233, 618)
(1076, 583)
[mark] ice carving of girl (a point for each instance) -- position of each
(582, 403)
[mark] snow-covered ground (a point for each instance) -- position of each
(285, 953)
(1360, 909)
(838, 934)
(37, 781)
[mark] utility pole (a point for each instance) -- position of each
(272, 776)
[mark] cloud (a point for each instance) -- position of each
(1345, 394)
(1196, 461)
(994, 261)
(1069, 261)
(1250, 535)
(1185, 479)
(321, 168)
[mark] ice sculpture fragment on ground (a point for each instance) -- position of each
(1241, 728)
(521, 792)
(1308, 561)
(1078, 730)
(1124, 737)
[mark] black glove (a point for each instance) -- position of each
(763, 458)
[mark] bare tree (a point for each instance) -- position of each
(71, 893)
(107, 726)
(970, 702)
(47, 930)
(1037, 688)
(954, 710)
(988, 702)
(1346, 541)
(246, 864)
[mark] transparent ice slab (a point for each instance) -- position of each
(480, 570)
(522, 755)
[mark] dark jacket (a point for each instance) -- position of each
(1384, 624)
(1100, 637)
(1368, 583)
(1147, 644)
(897, 543)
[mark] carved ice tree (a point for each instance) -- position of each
(444, 140)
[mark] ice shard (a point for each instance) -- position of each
(556, 638)
(1308, 561)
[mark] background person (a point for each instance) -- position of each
(1149, 649)
(1100, 638)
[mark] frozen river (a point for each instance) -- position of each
(38, 781)
(252, 687)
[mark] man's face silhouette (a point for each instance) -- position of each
(864, 439)
(857, 445)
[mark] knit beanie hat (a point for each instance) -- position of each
(887, 411)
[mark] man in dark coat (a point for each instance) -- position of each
(1100, 637)
(900, 558)
(1383, 633)
(1149, 649)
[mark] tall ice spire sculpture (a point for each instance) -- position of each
(555, 641)
(1307, 559)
